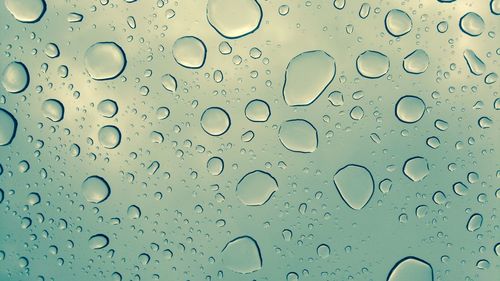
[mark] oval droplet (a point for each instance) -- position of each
(215, 121)
(109, 136)
(189, 51)
(398, 22)
(257, 111)
(372, 64)
(472, 24)
(15, 77)
(105, 60)
(234, 18)
(256, 188)
(95, 189)
(355, 185)
(98, 241)
(298, 135)
(475, 222)
(307, 76)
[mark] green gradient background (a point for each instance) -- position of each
(377, 238)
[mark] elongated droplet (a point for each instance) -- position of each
(98, 241)
(475, 222)
(410, 109)
(475, 64)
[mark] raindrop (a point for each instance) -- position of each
(8, 127)
(98, 241)
(411, 268)
(242, 255)
(417, 62)
(475, 222)
(234, 18)
(472, 24)
(410, 109)
(215, 121)
(215, 166)
(398, 22)
(53, 110)
(416, 168)
(298, 135)
(355, 185)
(107, 108)
(190, 52)
(95, 189)
(372, 64)
(109, 136)
(256, 188)
(105, 60)
(475, 64)
(257, 111)
(169, 83)
(28, 11)
(15, 77)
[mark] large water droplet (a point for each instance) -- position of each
(105, 60)
(215, 166)
(257, 111)
(215, 121)
(298, 135)
(416, 168)
(189, 52)
(398, 22)
(8, 127)
(95, 189)
(28, 11)
(472, 24)
(15, 77)
(242, 255)
(255, 188)
(495, 7)
(355, 185)
(307, 76)
(417, 62)
(234, 18)
(475, 64)
(411, 269)
(475, 222)
(98, 241)
(109, 136)
(53, 110)
(372, 64)
(410, 109)
(107, 108)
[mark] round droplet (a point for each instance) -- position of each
(169, 83)
(28, 11)
(336, 98)
(98, 241)
(255, 188)
(107, 108)
(51, 50)
(475, 222)
(242, 255)
(257, 111)
(133, 212)
(417, 62)
(372, 64)
(411, 268)
(416, 168)
(53, 110)
(215, 121)
(298, 135)
(398, 22)
(495, 7)
(472, 24)
(109, 136)
(8, 127)
(15, 77)
(189, 51)
(307, 76)
(410, 109)
(323, 251)
(105, 60)
(234, 18)
(95, 189)
(357, 113)
(215, 166)
(355, 185)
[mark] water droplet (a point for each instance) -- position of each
(28, 11)
(416, 168)
(495, 7)
(15, 77)
(257, 111)
(485, 122)
(169, 83)
(234, 18)
(385, 186)
(95, 189)
(215, 121)
(336, 98)
(8, 127)
(475, 222)
(256, 188)
(410, 109)
(491, 78)
(107, 108)
(53, 110)
(417, 62)
(74, 17)
(411, 268)
(357, 113)
(215, 166)
(109, 136)
(472, 24)
(98, 241)
(372, 64)
(307, 76)
(323, 251)
(398, 22)
(460, 189)
(190, 52)
(105, 60)
(133, 212)
(51, 50)
(298, 135)
(292, 276)
(355, 185)
(475, 64)
(242, 255)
